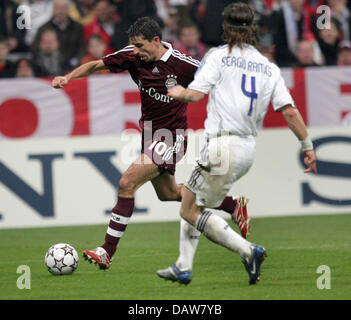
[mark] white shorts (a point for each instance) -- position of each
(223, 160)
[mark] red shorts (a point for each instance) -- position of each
(165, 149)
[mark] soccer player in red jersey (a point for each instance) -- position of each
(155, 67)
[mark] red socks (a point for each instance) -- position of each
(122, 212)
(227, 205)
(119, 220)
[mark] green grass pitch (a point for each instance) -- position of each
(296, 247)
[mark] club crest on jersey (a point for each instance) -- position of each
(171, 81)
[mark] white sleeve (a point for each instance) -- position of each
(206, 76)
(281, 95)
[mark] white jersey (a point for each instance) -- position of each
(241, 85)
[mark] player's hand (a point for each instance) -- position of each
(59, 82)
(176, 92)
(309, 159)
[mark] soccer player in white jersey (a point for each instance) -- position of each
(241, 82)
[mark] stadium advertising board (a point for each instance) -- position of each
(109, 104)
(73, 181)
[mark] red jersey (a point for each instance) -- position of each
(153, 80)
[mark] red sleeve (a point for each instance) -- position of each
(121, 60)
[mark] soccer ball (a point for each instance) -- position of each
(61, 259)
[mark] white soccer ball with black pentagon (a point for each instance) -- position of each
(61, 259)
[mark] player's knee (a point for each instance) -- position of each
(187, 227)
(185, 215)
(169, 195)
(126, 186)
(189, 216)
(163, 197)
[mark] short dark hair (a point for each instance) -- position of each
(145, 27)
(239, 27)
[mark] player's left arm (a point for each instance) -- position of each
(296, 124)
(185, 94)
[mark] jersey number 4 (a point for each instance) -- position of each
(252, 95)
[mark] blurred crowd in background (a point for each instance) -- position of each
(63, 34)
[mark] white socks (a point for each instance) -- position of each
(189, 239)
(213, 228)
(217, 230)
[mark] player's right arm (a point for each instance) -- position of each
(83, 70)
(184, 94)
(205, 78)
